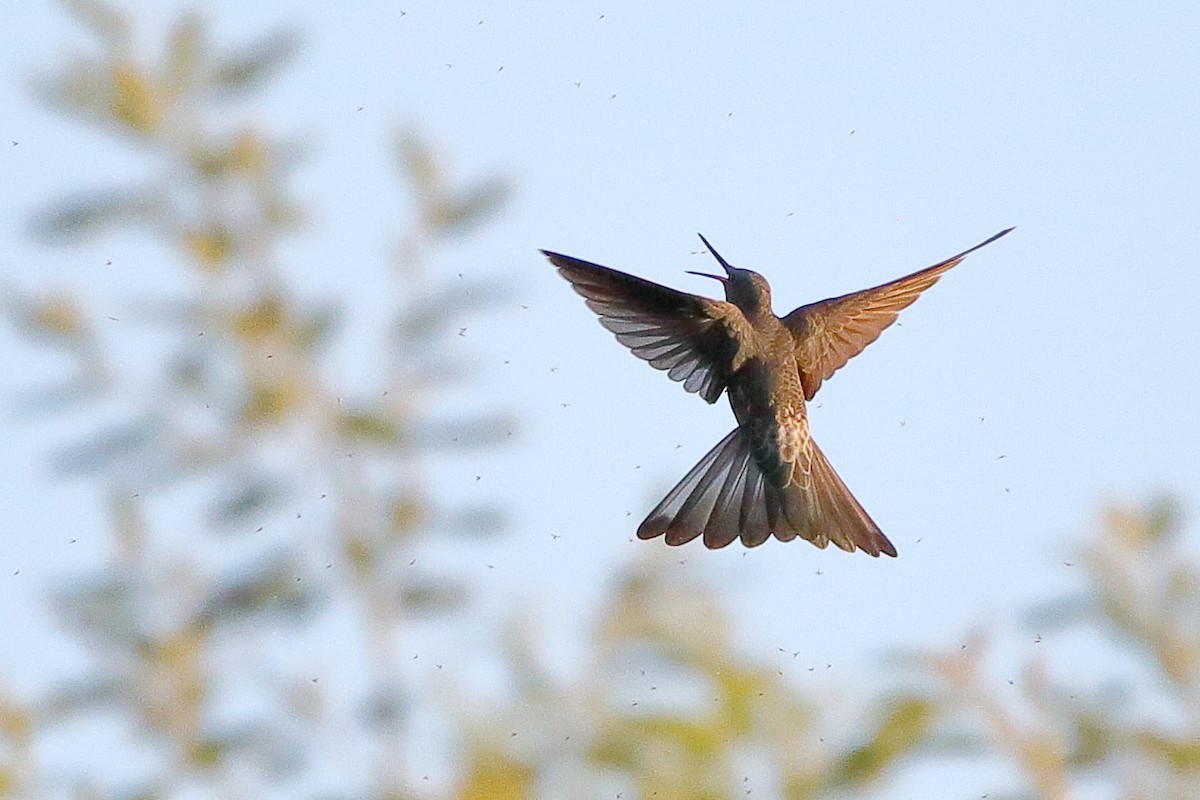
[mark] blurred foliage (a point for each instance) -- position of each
(669, 709)
(239, 424)
(197, 627)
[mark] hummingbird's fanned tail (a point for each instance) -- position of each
(727, 497)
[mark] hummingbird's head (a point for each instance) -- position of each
(745, 288)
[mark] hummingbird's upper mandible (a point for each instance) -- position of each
(745, 288)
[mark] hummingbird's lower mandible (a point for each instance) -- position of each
(767, 476)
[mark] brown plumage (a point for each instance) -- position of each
(767, 476)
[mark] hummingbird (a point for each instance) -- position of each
(767, 476)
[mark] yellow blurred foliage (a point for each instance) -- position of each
(56, 317)
(494, 776)
(271, 401)
(208, 248)
(134, 101)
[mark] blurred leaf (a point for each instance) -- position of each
(243, 498)
(153, 793)
(442, 311)
(905, 723)
(14, 722)
(407, 513)
(210, 248)
(430, 596)
(367, 426)
(111, 25)
(465, 209)
(270, 402)
(1158, 521)
(206, 753)
(134, 100)
(1182, 585)
(103, 610)
(265, 318)
(1093, 739)
(127, 515)
(386, 707)
(254, 745)
(78, 88)
(275, 587)
(88, 216)
(804, 786)
(1163, 518)
(359, 552)
(283, 215)
(57, 318)
(446, 210)
(624, 744)
(740, 689)
(185, 51)
(251, 153)
(420, 164)
(53, 319)
(1182, 754)
(220, 159)
(316, 328)
(175, 685)
(92, 694)
(249, 67)
(191, 372)
(103, 450)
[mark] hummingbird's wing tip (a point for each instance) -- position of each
(984, 243)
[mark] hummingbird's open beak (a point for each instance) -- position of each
(725, 264)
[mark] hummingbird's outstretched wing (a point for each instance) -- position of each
(830, 333)
(693, 338)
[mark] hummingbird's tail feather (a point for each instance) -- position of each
(726, 497)
(832, 514)
(714, 500)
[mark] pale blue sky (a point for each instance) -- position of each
(829, 149)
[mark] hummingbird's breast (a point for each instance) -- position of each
(768, 401)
